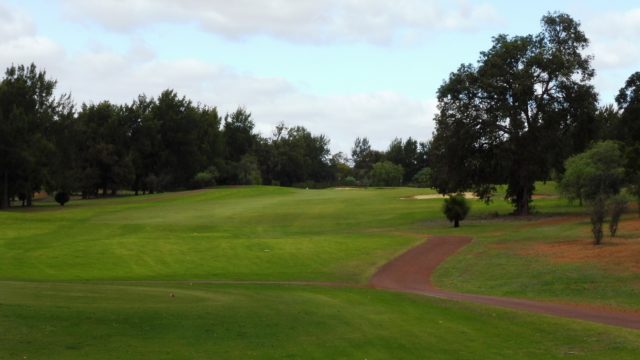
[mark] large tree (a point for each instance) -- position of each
(628, 126)
(517, 115)
(27, 111)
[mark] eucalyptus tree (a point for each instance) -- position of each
(514, 117)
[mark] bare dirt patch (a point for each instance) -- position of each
(619, 255)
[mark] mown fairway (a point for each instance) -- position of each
(63, 294)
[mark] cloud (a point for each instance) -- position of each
(14, 24)
(381, 116)
(99, 74)
(19, 42)
(372, 21)
(613, 36)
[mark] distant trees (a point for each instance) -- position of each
(386, 173)
(148, 145)
(456, 208)
(517, 115)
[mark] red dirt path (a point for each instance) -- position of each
(411, 272)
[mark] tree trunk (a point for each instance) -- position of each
(29, 197)
(456, 223)
(4, 198)
(522, 201)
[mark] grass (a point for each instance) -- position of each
(102, 321)
(91, 279)
(255, 233)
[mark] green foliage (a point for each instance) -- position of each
(27, 113)
(386, 173)
(206, 178)
(423, 178)
(596, 176)
(409, 154)
(518, 114)
(456, 208)
(62, 197)
(350, 181)
(597, 172)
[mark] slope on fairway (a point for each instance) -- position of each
(100, 321)
(250, 233)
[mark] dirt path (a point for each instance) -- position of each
(411, 272)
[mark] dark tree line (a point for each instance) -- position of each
(163, 144)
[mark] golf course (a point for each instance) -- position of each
(272, 272)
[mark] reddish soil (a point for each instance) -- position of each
(617, 255)
(411, 272)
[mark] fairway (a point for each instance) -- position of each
(123, 277)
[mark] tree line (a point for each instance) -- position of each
(166, 143)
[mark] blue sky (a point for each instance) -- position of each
(343, 68)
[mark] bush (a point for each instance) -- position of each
(205, 178)
(423, 178)
(456, 208)
(386, 173)
(350, 181)
(62, 197)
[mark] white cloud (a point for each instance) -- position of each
(101, 74)
(381, 116)
(377, 21)
(613, 36)
(14, 24)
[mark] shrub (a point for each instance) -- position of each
(456, 208)
(423, 178)
(62, 197)
(350, 181)
(205, 178)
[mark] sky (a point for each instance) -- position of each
(342, 68)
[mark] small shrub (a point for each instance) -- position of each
(62, 197)
(456, 208)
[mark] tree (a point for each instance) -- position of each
(517, 115)
(456, 208)
(386, 173)
(628, 101)
(364, 157)
(405, 154)
(617, 204)
(596, 176)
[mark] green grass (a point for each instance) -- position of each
(254, 233)
(101, 321)
(492, 265)
(66, 272)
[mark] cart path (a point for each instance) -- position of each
(411, 272)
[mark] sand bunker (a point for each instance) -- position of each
(467, 195)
